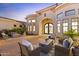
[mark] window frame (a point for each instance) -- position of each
(65, 26)
(48, 29)
(74, 25)
(33, 28)
(58, 26)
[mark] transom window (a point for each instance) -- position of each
(70, 12)
(74, 24)
(48, 28)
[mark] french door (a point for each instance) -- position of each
(48, 28)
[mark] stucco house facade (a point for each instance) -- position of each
(55, 19)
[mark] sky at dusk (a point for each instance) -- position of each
(19, 11)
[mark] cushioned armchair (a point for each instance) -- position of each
(26, 52)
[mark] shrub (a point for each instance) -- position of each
(20, 30)
(71, 33)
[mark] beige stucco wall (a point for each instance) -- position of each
(8, 24)
(66, 8)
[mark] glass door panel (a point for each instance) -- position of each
(50, 28)
(46, 28)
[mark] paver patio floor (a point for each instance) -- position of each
(10, 46)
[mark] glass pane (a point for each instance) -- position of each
(50, 28)
(30, 28)
(46, 28)
(70, 12)
(58, 24)
(65, 24)
(65, 29)
(74, 28)
(58, 27)
(74, 23)
(33, 28)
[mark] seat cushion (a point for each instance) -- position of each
(27, 44)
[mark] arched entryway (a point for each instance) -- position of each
(46, 26)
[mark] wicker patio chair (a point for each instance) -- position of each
(75, 51)
(61, 51)
(26, 52)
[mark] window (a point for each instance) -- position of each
(33, 20)
(29, 21)
(48, 28)
(70, 12)
(74, 24)
(58, 25)
(60, 15)
(14, 25)
(33, 28)
(65, 27)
